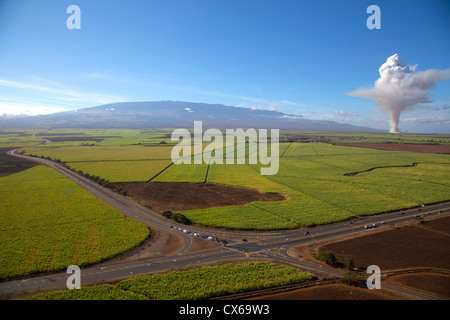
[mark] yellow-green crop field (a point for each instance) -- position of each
(196, 284)
(49, 223)
(313, 177)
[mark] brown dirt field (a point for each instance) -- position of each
(66, 139)
(175, 196)
(434, 283)
(329, 292)
(10, 165)
(421, 246)
(314, 138)
(159, 244)
(427, 148)
(202, 244)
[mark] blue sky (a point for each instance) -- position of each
(298, 57)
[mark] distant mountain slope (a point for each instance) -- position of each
(176, 114)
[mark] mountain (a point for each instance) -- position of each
(175, 114)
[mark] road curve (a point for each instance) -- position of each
(234, 249)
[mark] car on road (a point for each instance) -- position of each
(306, 233)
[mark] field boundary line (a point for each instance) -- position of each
(312, 145)
(286, 150)
(305, 193)
(274, 290)
(171, 164)
(417, 270)
(351, 174)
(207, 171)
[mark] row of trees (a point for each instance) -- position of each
(42, 157)
(352, 277)
(178, 217)
(95, 178)
(329, 258)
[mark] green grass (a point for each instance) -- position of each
(311, 175)
(313, 178)
(12, 141)
(49, 223)
(122, 171)
(196, 284)
(102, 153)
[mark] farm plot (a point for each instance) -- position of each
(49, 223)
(196, 284)
(329, 292)
(173, 196)
(10, 165)
(122, 171)
(12, 141)
(322, 183)
(427, 281)
(101, 153)
(319, 191)
(425, 245)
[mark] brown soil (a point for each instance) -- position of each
(65, 139)
(431, 282)
(201, 245)
(329, 292)
(427, 148)
(159, 244)
(424, 245)
(10, 165)
(175, 197)
(314, 138)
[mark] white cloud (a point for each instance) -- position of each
(341, 113)
(290, 116)
(400, 88)
(9, 109)
(435, 119)
(275, 107)
(45, 96)
(289, 103)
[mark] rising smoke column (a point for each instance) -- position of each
(400, 87)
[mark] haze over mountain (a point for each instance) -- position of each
(175, 114)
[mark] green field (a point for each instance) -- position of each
(11, 141)
(313, 176)
(196, 284)
(49, 222)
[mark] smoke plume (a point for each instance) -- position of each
(401, 87)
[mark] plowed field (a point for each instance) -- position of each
(427, 148)
(163, 196)
(422, 246)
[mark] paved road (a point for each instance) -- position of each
(266, 245)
